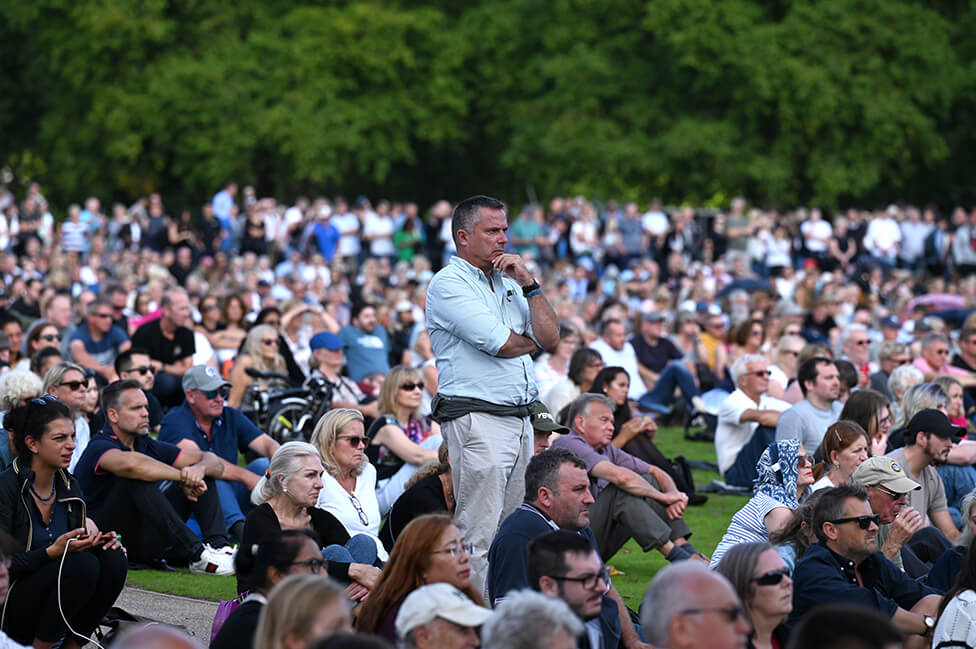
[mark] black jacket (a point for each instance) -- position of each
(15, 514)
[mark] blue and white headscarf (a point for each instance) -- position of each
(778, 479)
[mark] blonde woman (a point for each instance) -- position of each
(400, 441)
(301, 610)
(349, 480)
(260, 352)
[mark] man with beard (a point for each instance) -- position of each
(928, 440)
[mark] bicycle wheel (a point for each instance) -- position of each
(287, 421)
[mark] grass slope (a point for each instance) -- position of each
(708, 523)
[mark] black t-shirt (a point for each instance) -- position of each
(425, 497)
(239, 629)
(655, 358)
(150, 337)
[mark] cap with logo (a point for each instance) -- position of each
(203, 377)
(543, 421)
(439, 600)
(884, 471)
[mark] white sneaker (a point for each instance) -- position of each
(213, 562)
(230, 550)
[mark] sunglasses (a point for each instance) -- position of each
(804, 460)
(888, 492)
(762, 374)
(222, 392)
(862, 343)
(772, 577)
(143, 369)
(864, 522)
(73, 385)
(411, 386)
(355, 440)
(51, 337)
(269, 341)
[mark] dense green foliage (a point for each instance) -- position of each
(828, 102)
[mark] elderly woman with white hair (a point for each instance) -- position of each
(526, 619)
(349, 480)
(16, 388)
(902, 378)
(286, 497)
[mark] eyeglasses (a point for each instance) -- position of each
(888, 492)
(73, 385)
(269, 341)
(51, 337)
(731, 613)
(142, 370)
(862, 343)
(454, 550)
(762, 374)
(210, 307)
(772, 577)
(941, 352)
(46, 399)
(102, 315)
(314, 565)
(355, 440)
(222, 392)
(589, 582)
(900, 361)
(864, 522)
(363, 518)
(406, 387)
(804, 460)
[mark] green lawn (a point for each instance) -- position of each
(708, 523)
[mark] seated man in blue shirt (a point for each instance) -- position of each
(203, 423)
(96, 342)
(146, 489)
(846, 567)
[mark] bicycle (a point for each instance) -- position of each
(289, 414)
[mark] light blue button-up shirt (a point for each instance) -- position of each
(468, 323)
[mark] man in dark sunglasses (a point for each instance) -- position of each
(134, 363)
(845, 567)
(203, 422)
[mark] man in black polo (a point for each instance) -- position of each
(846, 567)
(170, 345)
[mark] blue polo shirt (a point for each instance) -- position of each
(231, 432)
(822, 576)
(95, 482)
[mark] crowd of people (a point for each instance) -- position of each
(496, 385)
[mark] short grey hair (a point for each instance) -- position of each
(526, 619)
(467, 213)
(918, 398)
(581, 405)
(851, 328)
(284, 463)
(932, 338)
(904, 377)
(890, 348)
(789, 339)
(672, 590)
(739, 366)
(17, 385)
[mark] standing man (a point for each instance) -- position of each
(170, 345)
(483, 327)
(204, 423)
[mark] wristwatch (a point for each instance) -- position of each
(531, 289)
(929, 624)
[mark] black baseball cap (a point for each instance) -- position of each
(934, 422)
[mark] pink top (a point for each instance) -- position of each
(947, 369)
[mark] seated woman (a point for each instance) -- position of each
(551, 369)
(957, 613)
(349, 481)
(232, 329)
(785, 473)
(16, 388)
(260, 567)
(42, 335)
(260, 352)
(301, 610)
(762, 582)
(946, 568)
(428, 491)
(793, 539)
(584, 365)
(286, 498)
(635, 434)
(430, 550)
(871, 410)
(844, 446)
(41, 506)
(399, 441)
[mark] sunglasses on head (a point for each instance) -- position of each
(772, 577)
(222, 392)
(864, 522)
(411, 386)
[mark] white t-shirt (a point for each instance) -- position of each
(656, 223)
(814, 235)
(731, 434)
(348, 226)
(625, 358)
(336, 500)
(382, 228)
